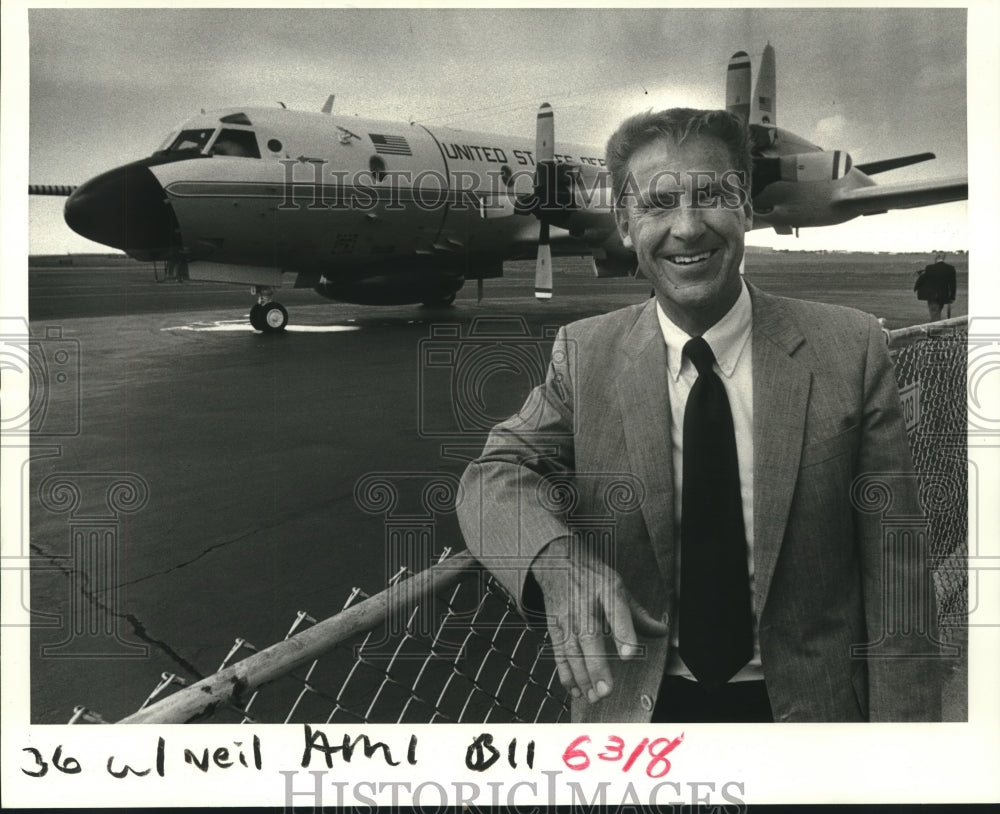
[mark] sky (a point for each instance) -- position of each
(107, 85)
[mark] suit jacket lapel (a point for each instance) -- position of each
(780, 398)
(645, 406)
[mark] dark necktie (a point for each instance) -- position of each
(715, 617)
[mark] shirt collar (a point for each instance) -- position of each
(727, 338)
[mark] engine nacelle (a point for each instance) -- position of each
(400, 282)
(827, 165)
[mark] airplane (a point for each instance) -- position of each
(386, 213)
(797, 183)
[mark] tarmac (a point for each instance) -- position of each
(218, 469)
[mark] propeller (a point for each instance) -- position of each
(545, 166)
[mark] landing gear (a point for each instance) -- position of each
(275, 317)
(173, 269)
(443, 294)
(266, 315)
(255, 317)
(442, 301)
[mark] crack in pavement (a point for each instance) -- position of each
(194, 559)
(274, 523)
(138, 628)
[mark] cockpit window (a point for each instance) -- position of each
(191, 140)
(165, 144)
(240, 143)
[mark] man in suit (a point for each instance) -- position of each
(937, 285)
(748, 583)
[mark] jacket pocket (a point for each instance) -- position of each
(836, 445)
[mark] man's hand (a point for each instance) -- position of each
(581, 592)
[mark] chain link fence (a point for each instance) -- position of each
(931, 372)
(931, 375)
(443, 645)
(447, 645)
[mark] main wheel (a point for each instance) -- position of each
(274, 317)
(257, 316)
(442, 301)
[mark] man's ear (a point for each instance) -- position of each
(748, 214)
(621, 221)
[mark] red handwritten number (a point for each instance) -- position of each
(618, 746)
(577, 759)
(574, 757)
(660, 755)
(635, 753)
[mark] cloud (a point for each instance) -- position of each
(831, 131)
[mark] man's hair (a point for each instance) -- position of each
(940, 256)
(676, 124)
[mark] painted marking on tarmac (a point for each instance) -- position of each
(242, 326)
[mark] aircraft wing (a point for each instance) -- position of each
(879, 198)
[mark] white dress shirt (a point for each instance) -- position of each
(731, 342)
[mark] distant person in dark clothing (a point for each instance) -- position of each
(937, 285)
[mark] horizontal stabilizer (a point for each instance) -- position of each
(869, 200)
(875, 167)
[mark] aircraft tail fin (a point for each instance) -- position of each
(738, 85)
(765, 103)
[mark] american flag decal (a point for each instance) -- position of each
(390, 145)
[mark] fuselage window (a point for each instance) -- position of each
(191, 140)
(377, 167)
(238, 143)
(274, 145)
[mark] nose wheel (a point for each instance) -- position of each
(266, 315)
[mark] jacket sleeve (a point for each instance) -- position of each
(505, 512)
(900, 608)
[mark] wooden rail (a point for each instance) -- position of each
(236, 683)
(926, 330)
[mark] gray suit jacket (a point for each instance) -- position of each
(589, 454)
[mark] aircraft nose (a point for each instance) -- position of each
(125, 208)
